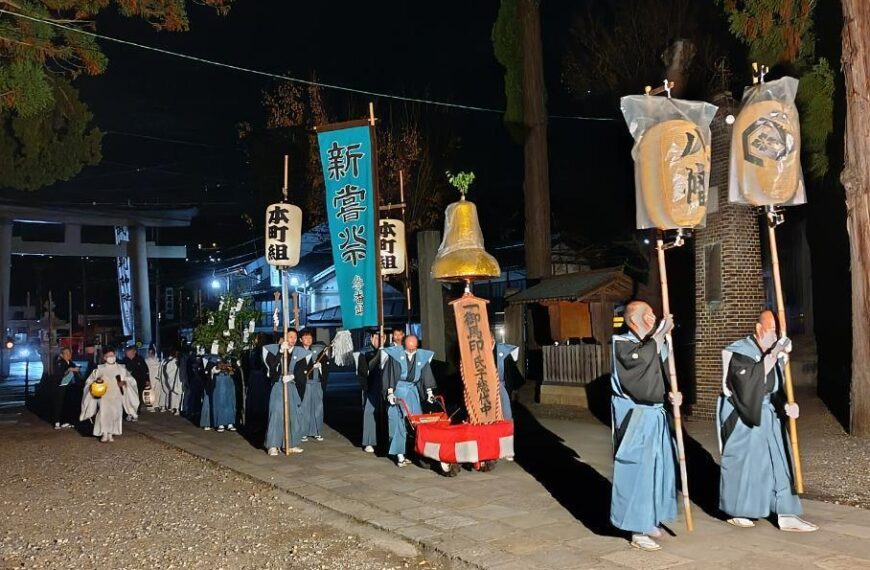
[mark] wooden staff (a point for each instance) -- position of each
(285, 318)
(672, 374)
(407, 260)
(285, 358)
(773, 219)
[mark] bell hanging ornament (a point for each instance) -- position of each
(461, 255)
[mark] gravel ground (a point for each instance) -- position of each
(67, 501)
(836, 465)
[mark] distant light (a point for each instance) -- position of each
(729, 119)
(214, 244)
(215, 284)
(646, 241)
(92, 305)
(294, 281)
(199, 246)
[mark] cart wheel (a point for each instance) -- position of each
(486, 466)
(449, 469)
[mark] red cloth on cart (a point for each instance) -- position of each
(465, 443)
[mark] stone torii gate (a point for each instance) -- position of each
(137, 249)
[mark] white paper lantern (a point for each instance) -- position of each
(283, 234)
(392, 246)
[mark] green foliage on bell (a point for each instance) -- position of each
(215, 327)
(461, 180)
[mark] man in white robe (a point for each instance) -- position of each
(121, 395)
(171, 381)
(158, 396)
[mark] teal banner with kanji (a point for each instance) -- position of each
(346, 155)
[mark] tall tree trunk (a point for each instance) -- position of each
(536, 186)
(856, 180)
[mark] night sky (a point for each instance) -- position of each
(171, 124)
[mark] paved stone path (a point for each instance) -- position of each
(547, 510)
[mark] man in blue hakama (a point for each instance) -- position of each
(408, 377)
(644, 465)
(311, 378)
(756, 477)
(368, 364)
(219, 399)
(273, 357)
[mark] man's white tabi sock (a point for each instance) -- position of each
(792, 523)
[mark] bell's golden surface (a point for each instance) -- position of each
(672, 171)
(98, 388)
(766, 142)
(461, 256)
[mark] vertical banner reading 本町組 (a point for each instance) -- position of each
(346, 155)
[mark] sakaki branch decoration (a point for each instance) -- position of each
(227, 329)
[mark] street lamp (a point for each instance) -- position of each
(10, 344)
(215, 284)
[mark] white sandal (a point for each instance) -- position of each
(643, 542)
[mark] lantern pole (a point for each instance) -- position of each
(286, 315)
(672, 372)
(775, 218)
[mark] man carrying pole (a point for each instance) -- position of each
(283, 239)
(644, 477)
(284, 400)
(756, 479)
(671, 194)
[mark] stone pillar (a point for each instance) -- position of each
(729, 286)
(138, 250)
(431, 295)
(5, 286)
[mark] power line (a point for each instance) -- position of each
(284, 77)
(163, 139)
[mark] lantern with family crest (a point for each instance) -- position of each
(671, 159)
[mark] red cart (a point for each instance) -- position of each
(451, 445)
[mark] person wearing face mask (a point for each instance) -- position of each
(121, 394)
(407, 376)
(644, 466)
(273, 359)
(756, 478)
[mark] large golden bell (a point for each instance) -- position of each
(98, 388)
(461, 256)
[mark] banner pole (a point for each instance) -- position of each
(672, 374)
(773, 219)
(377, 204)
